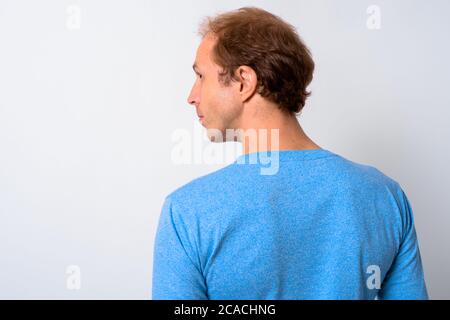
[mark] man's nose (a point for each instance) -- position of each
(193, 98)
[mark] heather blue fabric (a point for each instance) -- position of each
(319, 228)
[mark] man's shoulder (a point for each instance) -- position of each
(203, 186)
(205, 189)
(363, 173)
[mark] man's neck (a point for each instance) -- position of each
(281, 133)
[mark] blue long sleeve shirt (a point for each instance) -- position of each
(320, 227)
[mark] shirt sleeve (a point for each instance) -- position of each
(405, 278)
(175, 275)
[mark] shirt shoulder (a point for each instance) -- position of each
(372, 184)
(201, 189)
(365, 174)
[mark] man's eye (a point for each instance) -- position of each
(199, 75)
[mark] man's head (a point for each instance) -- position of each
(248, 60)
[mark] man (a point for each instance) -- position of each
(318, 227)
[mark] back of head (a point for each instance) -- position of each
(270, 46)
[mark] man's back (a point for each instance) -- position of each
(322, 227)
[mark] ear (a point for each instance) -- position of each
(247, 82)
